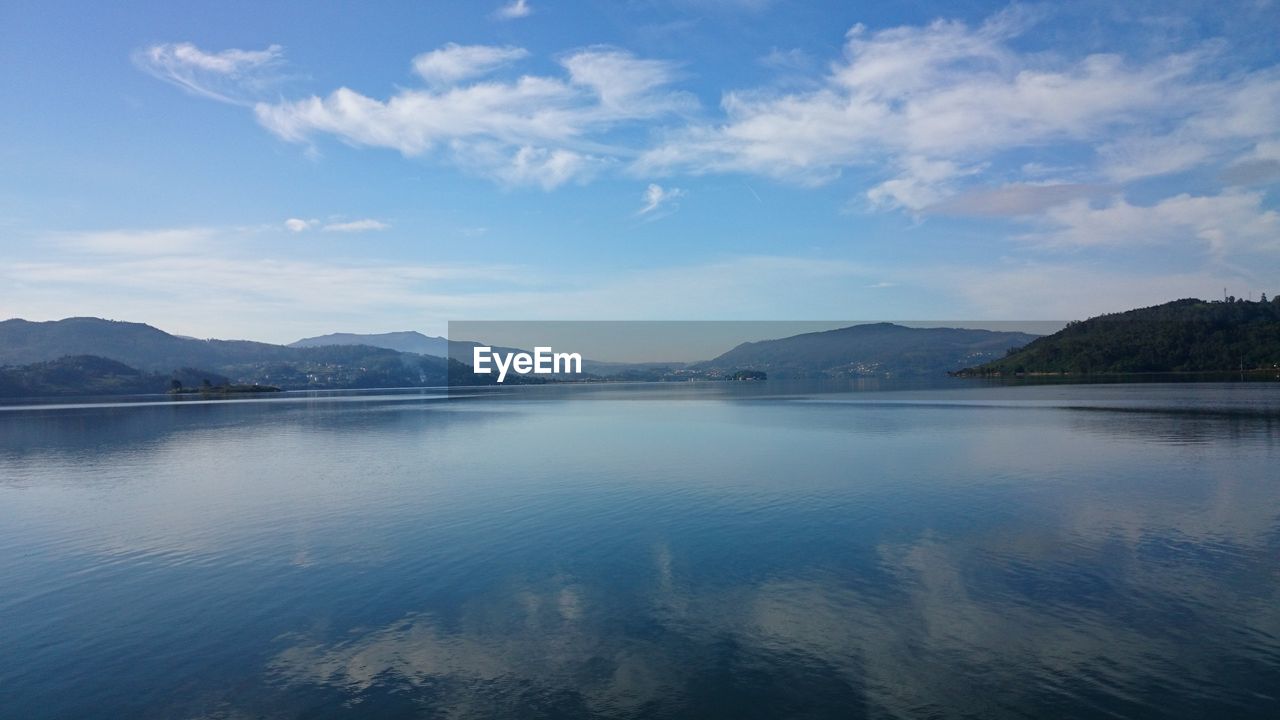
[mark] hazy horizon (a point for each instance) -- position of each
(645, 341)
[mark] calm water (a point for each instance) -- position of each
(720, 551)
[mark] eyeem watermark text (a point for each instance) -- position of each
(542, 362)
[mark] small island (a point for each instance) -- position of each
(207, 388)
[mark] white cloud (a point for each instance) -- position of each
(355, 226)
(930, 100)
(136, 242)
(228, 62)
(535, 129)
(224, 76)
(941, 92)
(543, 167)
(656, 197)
(948, 111)
(1234, 221)
(921, 184)
(624, 84)
(1138, 157)
(297, 225)
(792, 60)
(454, 62)
(514, 10)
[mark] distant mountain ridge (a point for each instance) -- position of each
(409, 359)
(870, 350)
(134, 344)
(1188, 335)
(460, 350)
(406, 341)
(148, 349)
(409, 341)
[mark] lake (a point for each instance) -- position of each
(719, 550)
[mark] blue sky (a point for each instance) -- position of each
(275, 170)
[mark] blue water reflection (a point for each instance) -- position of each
(698, 551)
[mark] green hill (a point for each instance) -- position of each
(1181, 336)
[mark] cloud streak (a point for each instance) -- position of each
(514, 10)
(227, 76)
(656, 198)
(453, 62)
(356, 226)
(297, 225)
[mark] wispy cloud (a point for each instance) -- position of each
(923, 182)
(297, 225)
(224, 76)
(538, 130)
(790, 60)
(453, 63)
(514, 10)
(1234, 222)
(168, 241)
(356, 226)
(658, 198)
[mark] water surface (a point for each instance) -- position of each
(712, 551)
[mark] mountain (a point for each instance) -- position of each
(878, 349)
(408, 341)
(91, 375)
(461, 350)
(1187, 335)
(134, 344)
(145, 349)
